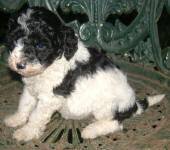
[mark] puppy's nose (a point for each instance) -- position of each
(21, 65)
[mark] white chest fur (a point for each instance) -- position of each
(49, 79)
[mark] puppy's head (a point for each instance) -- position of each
(36, 38)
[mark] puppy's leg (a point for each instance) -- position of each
(38, 119)
(103, 126)
(26, 105)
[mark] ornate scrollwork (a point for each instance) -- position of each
(78, 6)
(117, 37)
(98, 11)
(86, 33)
(107, 32)
(142, 53)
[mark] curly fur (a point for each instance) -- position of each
(60, 74)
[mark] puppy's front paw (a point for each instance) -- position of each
(26, 133)
(14, 120)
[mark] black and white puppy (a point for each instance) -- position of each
(61, 74)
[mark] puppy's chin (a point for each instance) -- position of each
(29, 72)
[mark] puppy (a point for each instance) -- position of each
(61, 74)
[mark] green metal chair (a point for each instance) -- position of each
(134, 47)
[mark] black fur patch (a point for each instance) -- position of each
(47, 38)
(144, 103)
(120, 116)
(97, 60)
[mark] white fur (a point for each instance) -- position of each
(18, 48)
(102, 127)
(139, 110)
(99, 95)
(155, 99)
(26, 105)
(23, 19)
(15, 55)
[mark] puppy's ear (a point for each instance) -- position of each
(12, 22)
(69, 42)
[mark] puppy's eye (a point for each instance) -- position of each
(40, 46)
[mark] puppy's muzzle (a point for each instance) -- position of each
(21, 65)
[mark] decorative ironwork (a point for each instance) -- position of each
(117, 38)
(137, 42)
